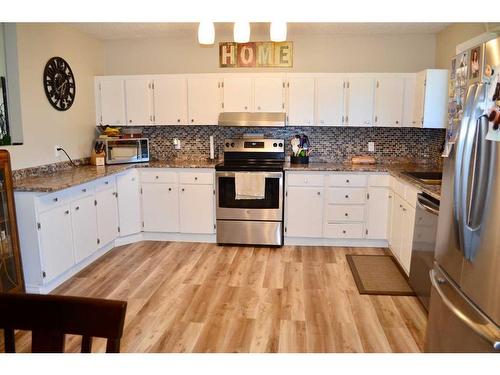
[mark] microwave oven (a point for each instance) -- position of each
(126, 150)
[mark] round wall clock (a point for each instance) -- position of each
(59, 83)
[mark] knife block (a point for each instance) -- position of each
(97, 159)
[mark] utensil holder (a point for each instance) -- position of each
(299, 159)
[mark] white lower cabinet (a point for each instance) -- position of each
(55, 241)
(107, 215)
(196, 212)
(304, 214)
(84, 226)
(377, 220)
(160, 207)
(402, 221)
(129, 203)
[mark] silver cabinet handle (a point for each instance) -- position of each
(483, 330)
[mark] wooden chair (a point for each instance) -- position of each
(51, 317)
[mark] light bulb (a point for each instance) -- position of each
(206, 33)
(278, 31)
(241, 32)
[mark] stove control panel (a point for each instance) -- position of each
(254, 145)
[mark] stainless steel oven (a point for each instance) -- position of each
(256, 221)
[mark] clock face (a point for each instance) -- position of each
(59, 83)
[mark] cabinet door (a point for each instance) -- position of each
(304, 213)
(237, 95)
(56, 240)
(360, 93)
(204, 104)
(409, 102)
(84, 224)
(269, 95)
(408, 223)
(300, 101)
(377, 220)
(396, 225)
(129, 203)
(418, 107)
(390, 215)
(435, 104)
(107, 216)
(138, 101)
(170, 101)
(196, 209)
(112, 96)
(160, 207)
(330, 104)
(389, 97)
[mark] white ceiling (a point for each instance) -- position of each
(130, 30)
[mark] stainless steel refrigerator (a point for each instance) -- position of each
(464, 313)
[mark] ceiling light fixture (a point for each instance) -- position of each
(278, 31)
(206, 33)
(241, 32)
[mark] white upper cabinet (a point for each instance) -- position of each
(204, 104)
(110, 102)
(431, 96)
(269, 94)
(138, 101)
(238, 94)
(360, 98)
(409, 102)
(330, 104)
(170, 101)
(389, 98)
(300, 101)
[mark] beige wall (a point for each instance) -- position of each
(312, 53)
(43, 126)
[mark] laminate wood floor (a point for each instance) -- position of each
(192, 297)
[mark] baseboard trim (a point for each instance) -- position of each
(303, 241)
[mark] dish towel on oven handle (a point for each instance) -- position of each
(249, 185)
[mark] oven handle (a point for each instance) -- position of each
(266, 174)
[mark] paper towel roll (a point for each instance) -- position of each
(212, 147)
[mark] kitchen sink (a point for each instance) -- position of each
(427, 178)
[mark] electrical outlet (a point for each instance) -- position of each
(371, 146)
(57, 153)
(177, 143)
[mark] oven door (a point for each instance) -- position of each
(269, 208)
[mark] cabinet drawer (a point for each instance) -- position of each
(105, 183)
(346, 195)
(342, 213)
(51, 200)
(304, 179)
(379, 180)
(347, 180)
(202, 178)
(158, 175)
(344, 230)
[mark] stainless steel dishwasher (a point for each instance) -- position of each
(424, 241)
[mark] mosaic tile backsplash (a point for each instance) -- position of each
(330, 143)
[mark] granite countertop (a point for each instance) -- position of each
(63, 179)
(395, 169)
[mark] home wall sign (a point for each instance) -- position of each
(256, 55)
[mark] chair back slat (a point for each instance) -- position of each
(51, 317)
(9, 340)
(86, 344)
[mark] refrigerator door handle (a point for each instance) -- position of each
(486, 331)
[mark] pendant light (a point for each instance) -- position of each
(278, 31)
(241, 32)
(206, 33)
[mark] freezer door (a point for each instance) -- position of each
(455, 325)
